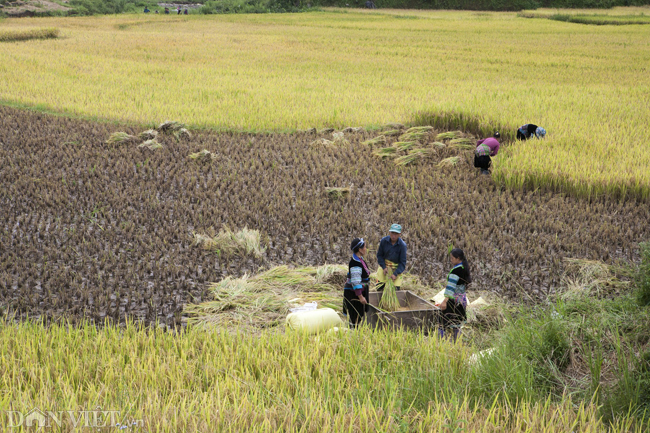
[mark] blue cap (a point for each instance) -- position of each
(395, 228)
(540, 132)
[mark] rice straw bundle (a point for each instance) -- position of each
(389, 301)
(448, 135)
(170, 126)
(377, 140)
(203, 156)
(121, 138)
(151, 144)
(392, 133)
(404, 146)
(413, 156)
(462, 143)
(337, 193)
(385, 152)
(449, 162)
(420, 129)
(412, 136)
(149, 134)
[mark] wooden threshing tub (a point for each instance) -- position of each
(416, 313)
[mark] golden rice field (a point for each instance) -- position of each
(587, 85)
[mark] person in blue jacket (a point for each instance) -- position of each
(391, 257)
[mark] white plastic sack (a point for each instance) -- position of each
(309, 306)
(440, 296)
(313, 322)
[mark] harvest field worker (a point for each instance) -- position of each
(146, 10)
(455, 302)
(485, 150)
(528, 130)
(391, 257)
(355, 291)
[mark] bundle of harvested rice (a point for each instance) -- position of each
(170, 126)
(182, 133)
(385, 152)
(392, 133)
(462, 143)
(449, 162)
(307, 131)
(203, 156)
(404, 146)
(412, 136)
(149, 134)
(151, 144)
(377, 140)
(438, 144)
(321, 142)
(326, 131)
(262, 301)
(413, 156)
(388, 300)
(394, 126)
(353, 129)
(121, 138)
(448, 135)
(420, 129)
(229, 243)
(337, 193)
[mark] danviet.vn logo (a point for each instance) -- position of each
(77, 419)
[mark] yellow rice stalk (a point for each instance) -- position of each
(377, 140)
(438, 144)
(449, 162)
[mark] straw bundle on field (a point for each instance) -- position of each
(149, 134)
(170, 126)
(339, 138)
(412, 136)
(121, 138)
(203, 156)
(183, 134)
(448, 135)
(394, 126)
(413, 156)
(449, 162)
(377, 140)
(321, 142)
(389, 301)
(151, 144)
(262, 300)
(385, 152)
(404, 146)
(392, 133)
(337, 193)
(229, 243)
(308, 131)
(420, 129)
(462, 143)
(326, 131)
(438, 144)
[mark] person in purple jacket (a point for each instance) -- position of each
(485, 150)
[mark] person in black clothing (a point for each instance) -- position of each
(530, 130)
(454, 304)
(356, 289)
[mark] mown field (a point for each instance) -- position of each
(587, 85)
(98, 259)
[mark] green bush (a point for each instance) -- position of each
(251, 6)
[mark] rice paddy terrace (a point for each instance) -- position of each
(99, 230)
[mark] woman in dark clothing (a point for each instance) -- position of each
(355, 292)
(455, 303)
(529, 130)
